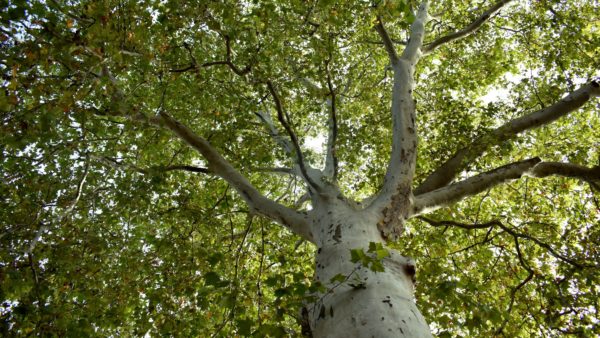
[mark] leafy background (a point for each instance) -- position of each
(146, 251)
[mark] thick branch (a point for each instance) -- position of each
(545, 169)
(471, 186)
(474, 185)
(473, 27)
(412, 52)
(393, 201)
(218, 165)
(447, 171)
(295, 221)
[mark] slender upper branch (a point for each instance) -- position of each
(284, 120)
(120, 165)
(294, 220)
(533, 167)
(227, 62)
(331, 161)
(387, 41)
(473, 27)
(184, 167)
(448, 171)
(66, 211)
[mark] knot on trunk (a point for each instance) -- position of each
(402, 266)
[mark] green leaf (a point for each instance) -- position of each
(339, 278)
(357, 255)
(244, 326)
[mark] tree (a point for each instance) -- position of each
(160, 174)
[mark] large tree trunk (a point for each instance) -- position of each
(365, 303)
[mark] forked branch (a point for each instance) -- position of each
(227, 62)
(511, 231)
(283, 118)
(473, 27)
(448, 171)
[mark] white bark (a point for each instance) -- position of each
(455, 192)
(285, 144)
(367, 303)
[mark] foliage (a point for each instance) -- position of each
(101, 234)
(371, 259)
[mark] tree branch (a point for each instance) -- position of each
(189, 168)
(471, 186)
(295, 221)
(447, 171)
(228, 62)
(70, 207)
(331, 160)
(266, 119)
(474, 185)
(284, 120)
(387, 41)
(393, 201)
(111, 162)
(473, 27)
(510, 231)
(218, 165)
(412, 52)
(545, 169)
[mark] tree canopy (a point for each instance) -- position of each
(113, 225)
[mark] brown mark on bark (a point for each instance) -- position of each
(337, 237)
(305, 323)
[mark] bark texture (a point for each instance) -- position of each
(366, 303)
